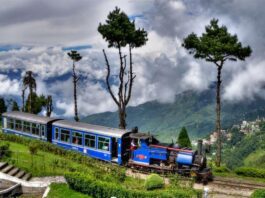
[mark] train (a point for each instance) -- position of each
(124, 147)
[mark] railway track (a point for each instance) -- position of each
(218, 188)
(237, 183)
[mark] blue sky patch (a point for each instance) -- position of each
(78, 47)
(5, 48)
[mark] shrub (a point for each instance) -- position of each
(250, 172)
(258, 193)
(221, 169)
(97, 189)
(33, 148)
(4, 150)
(154, 181)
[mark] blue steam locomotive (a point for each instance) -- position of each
(124, 147)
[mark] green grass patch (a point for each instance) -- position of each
(43, 163)
(260, 193)
(256, 159)
(63, 190)
(250, 172)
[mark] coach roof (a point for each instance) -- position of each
(101, 130)
(28, 117)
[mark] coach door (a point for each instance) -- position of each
(114, 150)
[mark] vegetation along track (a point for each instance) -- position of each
(236, 183)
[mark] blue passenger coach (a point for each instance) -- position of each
(26, 124)
(96, 141)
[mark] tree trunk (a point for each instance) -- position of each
(122, 117)
(23, 100)
(75, 93)
(30, 99)
(218, 116)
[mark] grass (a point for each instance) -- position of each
(50, 164)
(256, 159)
(43, 163)
(63, 190)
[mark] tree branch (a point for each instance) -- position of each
(132, 77)
(107, 79)
(121, 75)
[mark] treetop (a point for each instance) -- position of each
(120, 31)
(216, 45)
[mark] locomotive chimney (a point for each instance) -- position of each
(199, 147)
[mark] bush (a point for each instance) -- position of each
(222, 169)
(33, 148)
(258, 193)
(250, 172)
(4, 150)
(97, 189)
(154, 181)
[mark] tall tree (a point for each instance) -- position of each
(75, 58)
(3, 106)
(38, 102)
(120, 32)
(30, 82)
(15, 106)
(49, 106)
(183, 138)
(23, 98)
(217, 46)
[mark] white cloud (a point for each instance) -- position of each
(8, 86)
(162, 66)
(247, 84)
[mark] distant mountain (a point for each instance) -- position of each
(194, 110)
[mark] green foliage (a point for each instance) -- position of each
(15, 106)
(216, 45)
(3, 106)
(37, 103)
(74, 55)
(183, 138)
(221, 169)
(235, 157)
(120, 31)
(97, 189)
(4, 150)
(63, 191)
(237, 136)
(250, 172)
(33, 148)
(259, 193)
(154, 181)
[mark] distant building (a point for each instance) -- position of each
(250, 127)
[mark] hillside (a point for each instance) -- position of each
(245, 150)
(194, 110)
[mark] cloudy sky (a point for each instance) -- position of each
(36, 34)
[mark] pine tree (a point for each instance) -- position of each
(183, 139)
(217, 45)
(121, 33)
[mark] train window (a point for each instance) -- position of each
(26, 127)
(65, 135)
(90, 141)
(10, 123)
(103, 143)
(77, 138)
(18, 125)
(35, 128)
(57, 134)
